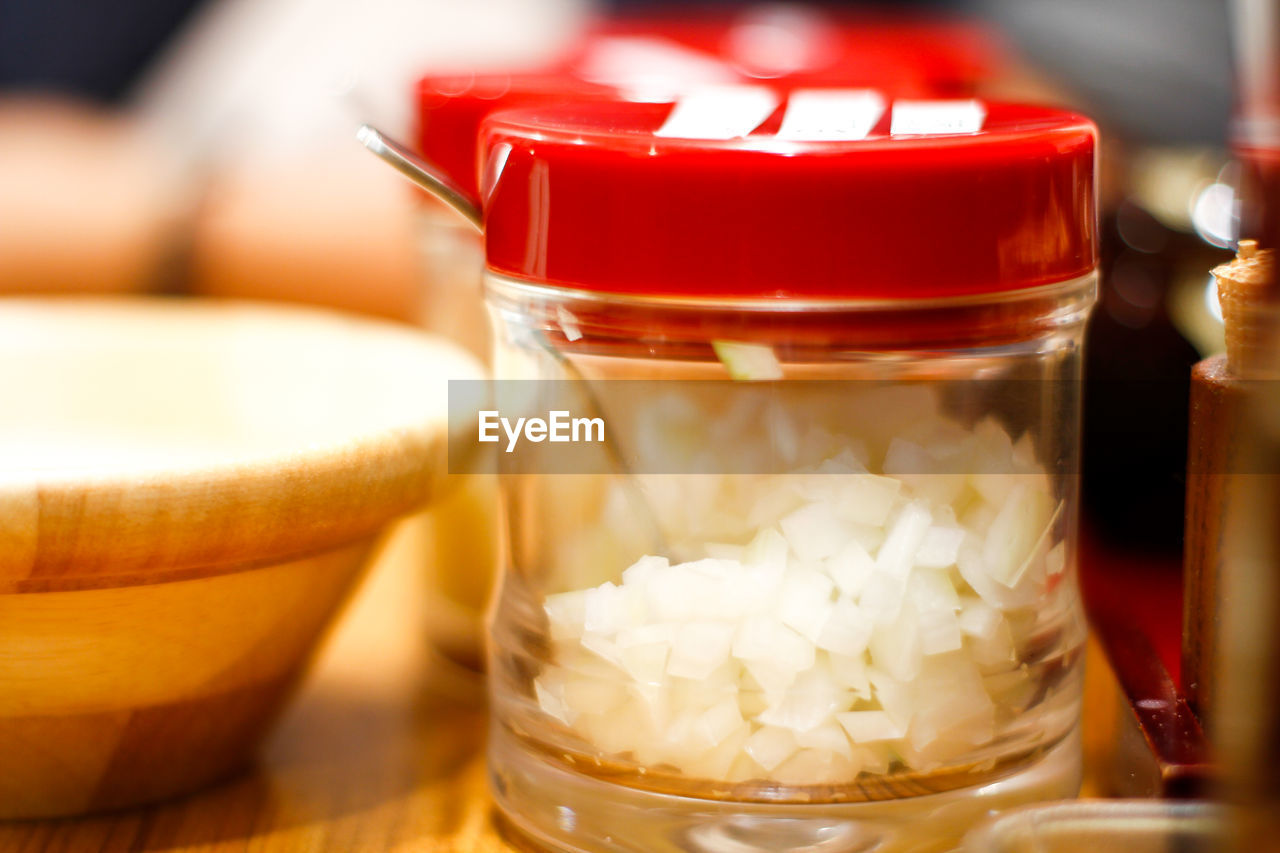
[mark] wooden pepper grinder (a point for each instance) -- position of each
(1218, 395)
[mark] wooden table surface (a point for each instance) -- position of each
(381, 751)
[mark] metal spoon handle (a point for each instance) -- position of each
(420, 173)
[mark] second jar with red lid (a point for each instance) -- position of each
(811, 585)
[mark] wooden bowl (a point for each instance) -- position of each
(188, 491)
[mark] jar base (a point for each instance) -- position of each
(554, 808)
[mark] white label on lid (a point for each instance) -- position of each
(931, 118)
(719, 112)
(818, 114)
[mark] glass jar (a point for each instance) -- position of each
(814, 585)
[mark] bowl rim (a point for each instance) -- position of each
(67, 531)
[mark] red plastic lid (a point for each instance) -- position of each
(602, 197)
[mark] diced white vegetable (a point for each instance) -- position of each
(939, 632)
(646, 664)
(679, 739)
(713, 568)
(604, 647)
(804, 603)
(771, 679)
(642, 569)
(932, 590)
(745, 769)
(973, 568)
(907, 458)
(566, 614)
(699, 649)
(810, 700)
(895, 646)
(992, 462)
(952, 707)
(978, 618)
(1013, 689)
(869, 622)
(719, 721)
(772, 504)
(869, 726)
(864, 498)
(748, 361)
(608, 609)
(672, 594)
(829, 736)
(905, 535)
(894, 696)
(754, 592)
(850, 568)
(652, 702)
(976, 520)
(724, 551)
(593, 695)
(882, 598)
(549, 691)
(660, 632)
(847, 630)
(814, 532)
(867, 536)
(717, 762)
(873, 757)
(940, 547)
(581, 662)
(764, 639)
(990, 640)
(770, 746)
(767, 550)
(1013, 534)
(815, 767)
(851, 671)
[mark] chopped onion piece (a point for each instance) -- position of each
(770, 746)
(830, 736)
(851, 671)
(846, 631)
(567, 614)
(805, 602)
(699, 649)
(895, 646)
(764, 639)
(811, 700)
(748, 361)
(905, 535)
(939, 632)
(869, 726)
(550, 696)
(814, 532)
(639, 571)
(940, 547)
(850, 568)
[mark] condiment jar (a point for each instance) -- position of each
(818, 589)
